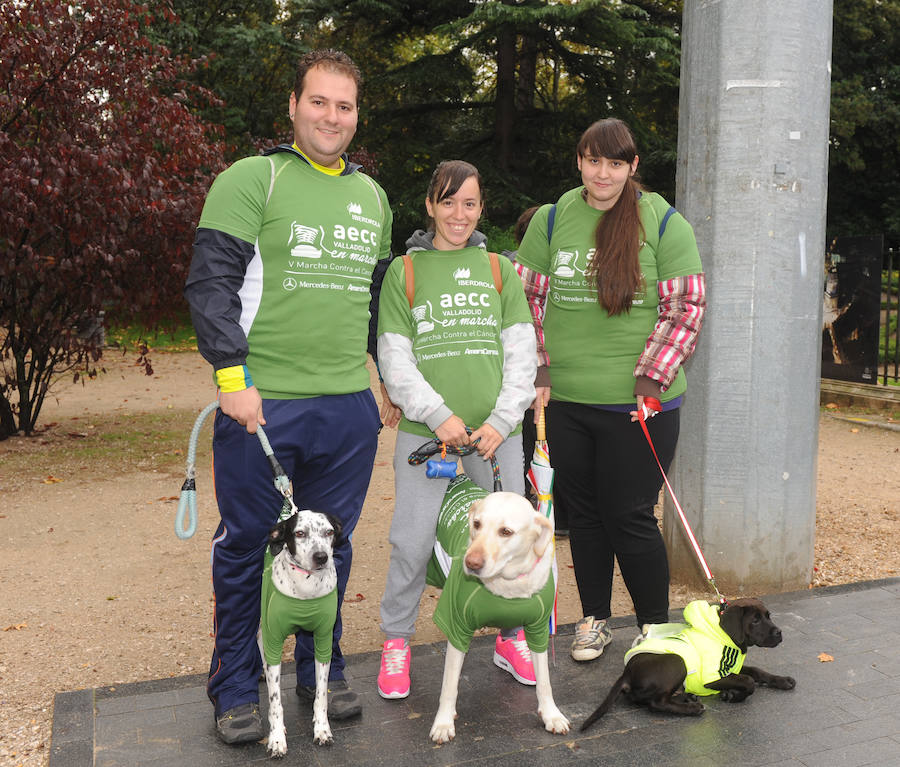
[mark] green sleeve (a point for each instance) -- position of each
(394, 314)
(513, 304)
(676, 251)
(237, 199)
(537, 632)
(323, 635)
(448, 615)
(534, 250)
(384, 249)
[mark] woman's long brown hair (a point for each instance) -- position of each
(615, 269)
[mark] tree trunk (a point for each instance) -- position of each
(505, 102)
(7, 419)
(525, 84)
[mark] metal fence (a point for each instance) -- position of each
(889, 330)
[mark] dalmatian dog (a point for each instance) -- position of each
(299, 592)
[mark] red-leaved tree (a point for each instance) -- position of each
(103, 171)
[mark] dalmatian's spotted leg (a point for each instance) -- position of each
(321, 727)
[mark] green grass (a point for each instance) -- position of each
(179, 339)
(104, 447)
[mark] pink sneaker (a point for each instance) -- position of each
(514, 656)
(393, 679)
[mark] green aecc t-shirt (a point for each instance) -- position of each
(592, 355)
(305, 295)
(465, 605)
(455, 325)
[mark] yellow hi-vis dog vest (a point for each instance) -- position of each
(708, 652)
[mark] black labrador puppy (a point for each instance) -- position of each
(705, 658)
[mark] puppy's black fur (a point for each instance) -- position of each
(657, 680)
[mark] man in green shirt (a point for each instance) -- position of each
(279, 290)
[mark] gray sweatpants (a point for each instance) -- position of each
(416, 507)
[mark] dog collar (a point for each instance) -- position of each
(300, 569)
(536, 563)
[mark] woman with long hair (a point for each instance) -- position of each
(615, 284)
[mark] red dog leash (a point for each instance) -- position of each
(650, 408)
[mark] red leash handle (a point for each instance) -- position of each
(650, 408)
(653, 406)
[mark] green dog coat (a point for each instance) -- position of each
(281, 615)
(465, 604)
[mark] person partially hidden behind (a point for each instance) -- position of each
(529, 422)
(283, 317)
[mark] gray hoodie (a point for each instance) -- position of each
(422, 240)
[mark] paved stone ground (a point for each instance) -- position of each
(843, 713)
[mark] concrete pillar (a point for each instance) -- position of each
(752, 179)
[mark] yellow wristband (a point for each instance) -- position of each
(235, 378)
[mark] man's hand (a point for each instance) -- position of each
(243, 406)
(453, 432)
(489, 442)
(390, 413)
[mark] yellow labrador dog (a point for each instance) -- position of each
(500, 576)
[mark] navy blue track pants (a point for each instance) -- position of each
(326, 445)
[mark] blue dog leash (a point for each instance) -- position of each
(187, 503)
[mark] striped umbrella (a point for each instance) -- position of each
(540, 475)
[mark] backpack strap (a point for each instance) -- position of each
(495, 272)
(551, 217)
(662, 225)
(411, 277)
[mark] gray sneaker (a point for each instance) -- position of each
(645, 632)
(591, 636)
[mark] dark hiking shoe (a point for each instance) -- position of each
(342, 701)
(241, 724)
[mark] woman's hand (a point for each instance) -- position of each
(541, 400)
(453, 432)
(649, 406)
(489, 441)
(390, 413)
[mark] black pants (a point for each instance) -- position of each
(606, 484)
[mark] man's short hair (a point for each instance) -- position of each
(330, 60)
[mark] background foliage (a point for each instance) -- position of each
(115, 116)
(508, 85)
(104, 171)
(863, 182)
